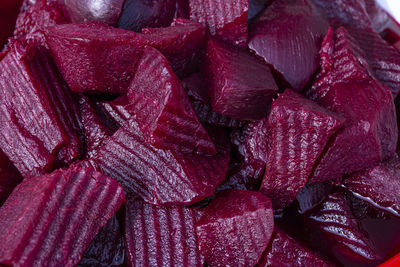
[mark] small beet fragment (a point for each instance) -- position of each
(161, 236)
(41, 123)
(162, 108)
(235, 228)
(50, 220)
(299, 132)
(239, 85)
(289, 45)
(225, 19)
(9, 177)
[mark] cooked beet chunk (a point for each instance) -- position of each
(51, 219)
(40, 125)
(239, 85)
(299, 132)
(161, 236)
(288, 35)
(225, 19)
(9, 177)
(235, 228)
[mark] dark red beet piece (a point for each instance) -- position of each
(162, 108)
(240, 86)
(346, 86)
(235, 228)
(161, 236)
(41, 123)
(50, 220)
(159, 176)
(246, 176)
(139, 14)
(289, 45)
(9, 177)
(283, 250)
(117, 109)
(312, 195)
(378, 185)
(8, 14)
(225, 19)
(299, 132)
(257, 6)
(182, 9)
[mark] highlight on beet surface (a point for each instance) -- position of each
(200, 133)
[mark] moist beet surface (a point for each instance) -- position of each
(312, 195)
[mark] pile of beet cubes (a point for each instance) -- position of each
(198, 133)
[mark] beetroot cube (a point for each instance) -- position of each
(9, 177)
(299, 132)
(162, 108)
(50, 220)
(226, 19)
(289, 45)
(161, 236)
(40, 118)
(235, 228)
(240, 86)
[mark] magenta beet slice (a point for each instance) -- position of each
(225, 19)
(51, 219)
(235, 228)
(160, 176)
(378, 185)
(162, 108)
(346, 86)
(239, 85)
(299, 132)
(334, 228)
(41, 120)
(9, 177)
(161, 236)
(289, 45)
(283, 250)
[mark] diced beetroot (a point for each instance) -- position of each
(378, 185)
(246, 176)
(257, 6)
(161, 236)
(345, 86)
(163, 109)
(299, 132)
(312, 195)
(50, 220)
(138, 14)
(159, 176)
(8, 15)
(225, 19)
(235, 228)
(117, 109)
(239, 85)
(107, 248)
(334, 228)
(283, 250)
(9, 177)
(289, 45)
(41, 122)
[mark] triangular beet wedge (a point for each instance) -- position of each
(299, 132)
(289, 45)
(9, 177)
(51, 219)
(239, 85)
(159, 176)
(162, 108)
(161, 236)
(41, 121)
(226, 19)
(346, 86)
(235, 228)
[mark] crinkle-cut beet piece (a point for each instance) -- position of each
(347, 87)
(299, 131)
(161, 236)
(378, 185)
(159, 176)
(50, 220)
(107, 248)
(333, 227)
(312, 195)
(8, 14)
(247, 176)
(9, 177)
(235, 228)
(162, 108)
(239, 85)
(283, 250)
(139, 14)
(289, 45)
(97, 126)
(257, 6)
(225, 19)
(41, 123)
